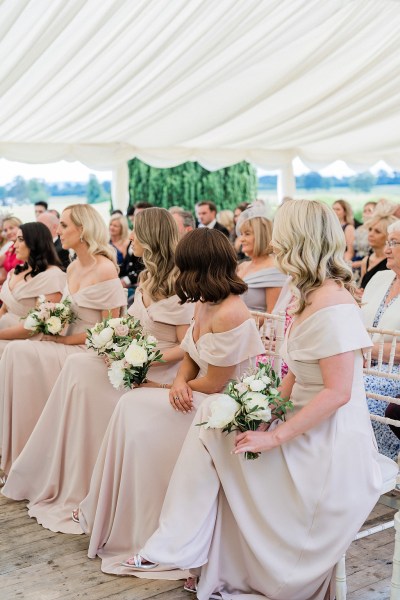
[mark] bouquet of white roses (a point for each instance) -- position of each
(49, 317)
(248, 402)
(111, 336)
(129, 351)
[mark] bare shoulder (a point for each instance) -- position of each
(231, 313)
(330, 295)
(105, 269)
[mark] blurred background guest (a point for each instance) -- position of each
(119, 236)
(381, 308)
(52, 222)
(377, 236)
(40, 207)
(225, 218)
(344, 213)
(9, 260)
(206, 212)
(184, 220)
(361, 245)
(234, 237)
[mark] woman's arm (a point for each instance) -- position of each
(387, 346)
(175, 353)
(78, 339)
(335, 393)
(271, 296)
(349, 236)
(287, 385)
(18, 332)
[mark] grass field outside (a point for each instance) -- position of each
(356, 199)
(26, 212)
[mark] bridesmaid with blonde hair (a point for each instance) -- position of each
(53, 471)
(94, 289)
(39, 275)
(264, 528)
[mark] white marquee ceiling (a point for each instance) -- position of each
(211, 80)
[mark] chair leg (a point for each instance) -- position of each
(395, 583)
(341, 586)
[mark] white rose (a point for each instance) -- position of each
(248, 380)
(223, 411)
(151, 340)
(60, 305)
(266, 379)
(256, 400)
(103, 339)
(54, 325)
(30, 322)
(241, 388)
(114, 322)
(257, 385)
(116, 374)
(136, 355)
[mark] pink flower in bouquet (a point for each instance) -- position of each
(121, 330)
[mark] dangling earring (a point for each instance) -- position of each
(81, 238)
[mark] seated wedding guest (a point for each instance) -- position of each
(94, 290)
(185, 221)
(119, 236)
(344, 213)
(9, 260)
(206, 212)
(263, 528)
(377, 236)
(39, 275)
(40, 207)
(361, 245)
(381, 308)
(134, 466)
(263, 279)
(53, 470)
(52, 222)
(225, 217)
(235, 239)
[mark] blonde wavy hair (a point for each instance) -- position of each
(309, 245)
(157, 232)
(93, 230)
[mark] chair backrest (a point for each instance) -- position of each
(272, 332)
(124, 309)
(386, 341)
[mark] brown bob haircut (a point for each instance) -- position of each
(207, 264)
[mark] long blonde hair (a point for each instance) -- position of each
(309, 245)
(157, 233)
(93, 230)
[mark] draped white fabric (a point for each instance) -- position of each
(214, 81)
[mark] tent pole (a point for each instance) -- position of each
(120, 186)
(286, 182)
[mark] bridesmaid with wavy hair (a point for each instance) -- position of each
(53, 471)
(94, 289)
(148, 426)
(39, 275)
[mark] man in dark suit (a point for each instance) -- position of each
(51, 221)
(206, 213)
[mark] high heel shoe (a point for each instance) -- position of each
(138, 563)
